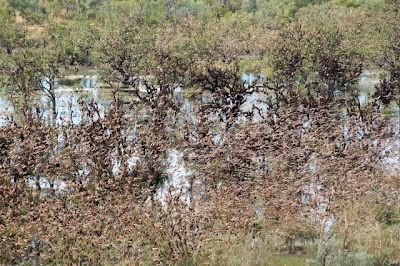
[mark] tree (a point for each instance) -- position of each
(388, 89)
(52, 59)
(252, 6)
(33, 69)
(32, 10)
(11, 35)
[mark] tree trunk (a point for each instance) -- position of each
(54, 109)
(346, 229)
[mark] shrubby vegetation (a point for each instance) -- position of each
(289, 161)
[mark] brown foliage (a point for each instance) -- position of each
(79, 192)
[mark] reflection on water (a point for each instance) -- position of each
(69, 92)
(5, 110)
(67, 100)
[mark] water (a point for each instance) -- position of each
(69, 92)
(67, 100)
(89, 88)
(5, 110)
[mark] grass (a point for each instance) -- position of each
(278, 260)
(290, 260)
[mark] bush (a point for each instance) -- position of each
(329, 252)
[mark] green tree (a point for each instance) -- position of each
(252, 6)
(34, 11)
(11, 33)
(35, 68)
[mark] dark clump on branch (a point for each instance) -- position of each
(188, 153)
